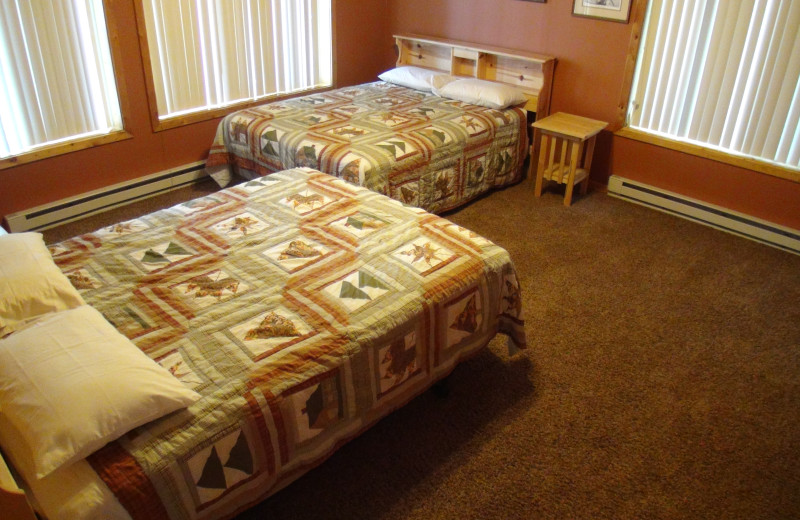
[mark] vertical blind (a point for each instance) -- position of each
(56, 74)
(212, 53)
(722, 73)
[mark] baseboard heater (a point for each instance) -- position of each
(74, 208)
(718, 217)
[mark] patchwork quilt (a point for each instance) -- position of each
(428, 151)
(302, 308)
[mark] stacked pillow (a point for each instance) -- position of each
(468, 90)
(30, 282)
(69, 381)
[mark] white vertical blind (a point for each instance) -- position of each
(211, 53)
(56, 75)
(722, 73)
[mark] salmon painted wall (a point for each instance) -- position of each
(588, 81)
(362, 51)
(764, 196)
(591, 58)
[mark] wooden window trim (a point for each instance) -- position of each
(620, 128)
(749, 163)
(159, 125)
(73, 145)
(45, 152)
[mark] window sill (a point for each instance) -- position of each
(714, 155)
(197, 117)
(46, 152)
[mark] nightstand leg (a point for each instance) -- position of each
(575, 156)
(543, 146)
(588, 163)
(568, 195)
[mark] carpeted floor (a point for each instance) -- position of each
(662, 381)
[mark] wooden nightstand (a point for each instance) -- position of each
(561, 151)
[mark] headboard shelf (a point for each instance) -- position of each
(529, 71)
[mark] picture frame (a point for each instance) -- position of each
(537, 1)
(613, 10)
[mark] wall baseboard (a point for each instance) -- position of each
(717, 217)
(74, 208)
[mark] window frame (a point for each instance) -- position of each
(622, 129)
(159, 125)
(74, 145)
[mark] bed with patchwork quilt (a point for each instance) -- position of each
(301, 308)
(414, 146)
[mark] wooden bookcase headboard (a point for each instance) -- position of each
(528, 71)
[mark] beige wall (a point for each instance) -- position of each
(588, 80)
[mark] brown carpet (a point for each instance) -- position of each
(662, 381)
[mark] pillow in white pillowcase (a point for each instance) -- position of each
(70, 383)
(482, 92)
(30, 282)
(418, 78)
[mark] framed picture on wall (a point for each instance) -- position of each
(537, 1)
(615, 10)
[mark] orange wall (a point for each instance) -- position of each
(362, 51)
(588, 81)
(591, 54)
(763, 196)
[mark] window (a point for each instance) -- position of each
(207, 54)
(721, 74)
(57, 82)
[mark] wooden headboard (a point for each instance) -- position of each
(528, 71)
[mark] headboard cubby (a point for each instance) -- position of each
(528, 71)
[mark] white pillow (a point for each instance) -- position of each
(71, 383)
(30, 282)
(418, 78)
(482, 92)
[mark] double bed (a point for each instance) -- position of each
(435, 144)
(293, 311)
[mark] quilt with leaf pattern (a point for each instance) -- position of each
(432, 152)
(302, 308)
